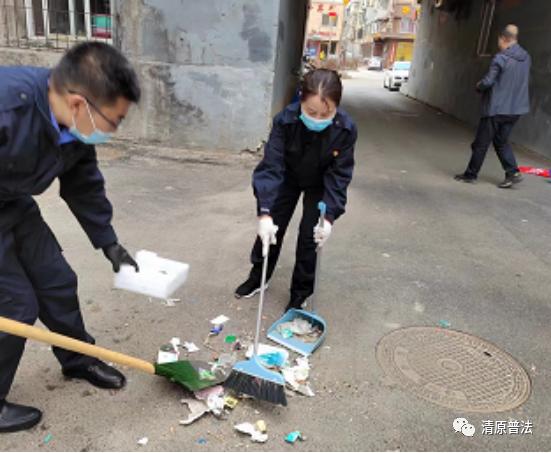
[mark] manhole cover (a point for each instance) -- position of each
(453, 369)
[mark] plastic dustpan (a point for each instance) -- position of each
(294, 342)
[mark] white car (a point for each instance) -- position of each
(397, 75)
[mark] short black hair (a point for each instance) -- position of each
(508, 35)
(325, 82)
(98, 71)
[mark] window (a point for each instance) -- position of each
(329, 20)
(68, 20)
(406, 25)
(333, 48)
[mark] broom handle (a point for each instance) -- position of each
(261, 303)
(20, 329)
(323, 209)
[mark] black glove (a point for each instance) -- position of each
(118, 255)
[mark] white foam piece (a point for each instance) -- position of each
(158, 277)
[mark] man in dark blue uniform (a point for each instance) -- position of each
(505, 98)
(50, 121)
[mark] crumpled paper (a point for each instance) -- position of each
(214, 397)
(249, 428)
(208, 400)
(196, 408)
(296, 376)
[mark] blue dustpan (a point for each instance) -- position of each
(294, 343)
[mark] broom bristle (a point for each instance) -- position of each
(256, 387)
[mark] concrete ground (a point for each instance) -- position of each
(415, 248)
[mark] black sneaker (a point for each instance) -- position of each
(464, 178)
(295, 303)
(510, 180)
(249, 288)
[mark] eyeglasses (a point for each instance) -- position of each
(97, 109)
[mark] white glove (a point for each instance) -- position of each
(267, 233)
(322, 233)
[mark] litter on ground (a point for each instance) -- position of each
(214, 397)
(230, 401)
(292, 437)
(196, 408)
(296, 377)
(260, 425)
(143, 441)
(219, 320)
(167, 354)
(250, 429)
(190, 347)
(216, 329)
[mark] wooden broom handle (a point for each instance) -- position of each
(20, 329)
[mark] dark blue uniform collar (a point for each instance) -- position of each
(42, 77)
(291, 115)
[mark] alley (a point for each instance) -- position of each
(414, 248)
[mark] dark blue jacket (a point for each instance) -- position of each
(506, 85)
(30, 158)
(336, 160)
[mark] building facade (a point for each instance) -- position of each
(393, 29)
(324, 30)
(380, 28)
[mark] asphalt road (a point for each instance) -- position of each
(414, 248)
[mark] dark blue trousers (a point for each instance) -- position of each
(36, 282)
(496, 130)
(302, 284)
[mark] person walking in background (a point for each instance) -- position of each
(505, 97)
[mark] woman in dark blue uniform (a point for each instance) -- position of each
(310, 152)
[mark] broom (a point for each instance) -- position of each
(249, 376)
(193, 375)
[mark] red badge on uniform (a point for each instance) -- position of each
(336, 153)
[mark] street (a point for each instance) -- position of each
(414, 248)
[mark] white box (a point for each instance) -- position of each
(158, 277)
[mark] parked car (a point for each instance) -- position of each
(375, 63)
(397, 75)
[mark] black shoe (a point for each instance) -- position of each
(464, 178)
(510, 180)
(14, 417)
(294, 304)
(249, 288)
(99, 374)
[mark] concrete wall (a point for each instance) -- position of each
(446, 66)
(207, 69)
(291, 30)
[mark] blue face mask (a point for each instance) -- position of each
(97, 137)
(316, 125)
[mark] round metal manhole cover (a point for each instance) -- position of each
(453, 369)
